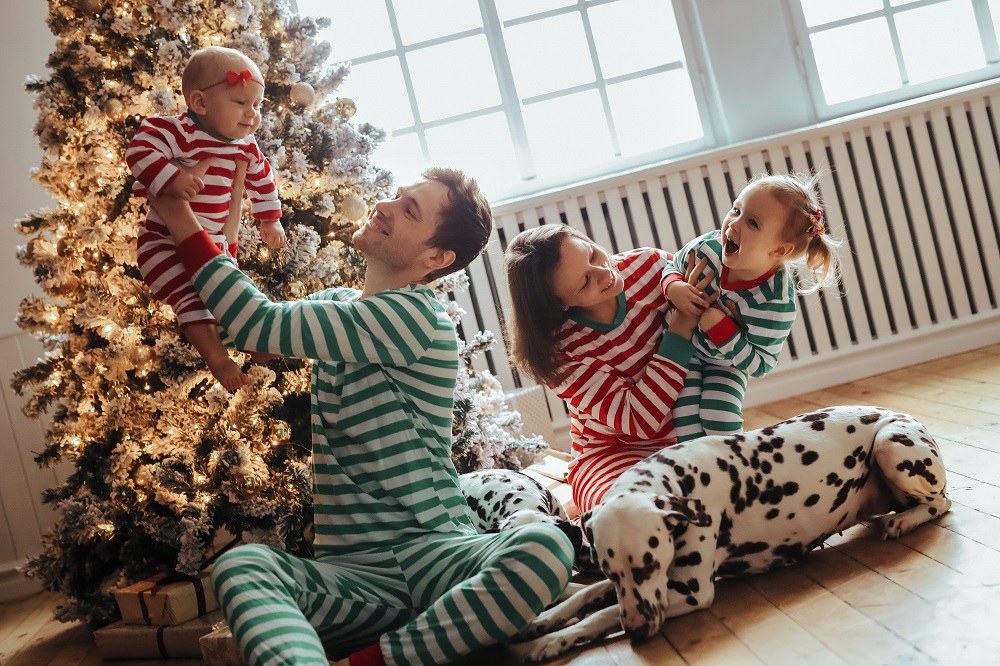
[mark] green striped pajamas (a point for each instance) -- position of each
(711, 401)
(396, 553)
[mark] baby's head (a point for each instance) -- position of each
(225, 89)
(777, 219)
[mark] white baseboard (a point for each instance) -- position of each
(15, 586)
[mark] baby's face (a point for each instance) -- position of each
(233, 111)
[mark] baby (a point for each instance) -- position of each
(773, 242)
(223, 90)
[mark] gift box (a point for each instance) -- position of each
(218, 647)
(135, 641)
(167, 601)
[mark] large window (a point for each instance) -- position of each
(525, 94)
(888, 50)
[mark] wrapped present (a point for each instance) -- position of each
(134, 641)
(166, 601)
(218, 647)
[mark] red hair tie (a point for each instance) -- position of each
(816, 219)
(235, 78)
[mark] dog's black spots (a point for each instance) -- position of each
(747, 548)
(768, 431)
(723, 465)
(755, 461)
(778, 458)
(611, 552)
(642, 471)
(790, 552)
(765, 447)
(701, 538)
(772, 514)
(733, 568)
(687, 484)
(740, 505)
(869, 419)
(809, 457)
(842, 494)
(690, 560)
(706, 478)
(850, 462)
(778, 442)
(752, 492)
(799, 448)
(903, 439)
(819, 425)
(659, 503)
(851, 428)
(918, 468)
(932, 510)
(765, 466)
(791, 515)
(647, 558)
(723, 539)
(833, 479)
(690, 601)
(811, 500)
(643, 484)
(653, 542)
(489, 495)
(815, 416)
(678, 586)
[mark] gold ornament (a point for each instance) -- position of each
(90, 6)
(296, 289)
(113, 107)
(353, 207)
(302, 94)
(345, 108)
(67, 13)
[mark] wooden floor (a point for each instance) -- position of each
(931, 597)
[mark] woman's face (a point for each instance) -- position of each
(585, 276)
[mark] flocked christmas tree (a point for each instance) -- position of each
(163, 456)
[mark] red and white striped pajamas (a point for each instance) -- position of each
(622, 381)
(161, 139)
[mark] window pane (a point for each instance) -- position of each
(480, 146)
(995, 15)
(818, 12)
(417, 22)
(352, 43)
(855, 60)
(654, 112)
(897, 3)
(453, 78)
(632, 35)
(939, 40)
(510, 9)
(402, 156)
(567, 133)
(549, 55)
(378, 90)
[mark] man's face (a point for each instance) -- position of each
(398, 230)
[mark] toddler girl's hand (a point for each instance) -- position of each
(185, 185)
(688, 295)
(272, 233)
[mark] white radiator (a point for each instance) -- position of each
(914, 188)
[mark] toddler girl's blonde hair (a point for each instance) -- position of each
(815, 261)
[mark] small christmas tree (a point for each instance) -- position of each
(163, 456)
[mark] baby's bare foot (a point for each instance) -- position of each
(228, 374)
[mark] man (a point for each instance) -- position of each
(399, 575)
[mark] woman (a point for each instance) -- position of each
(593, 328)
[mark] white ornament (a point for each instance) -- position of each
(353, 207)
(302, 94)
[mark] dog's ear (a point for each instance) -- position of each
(686, 508)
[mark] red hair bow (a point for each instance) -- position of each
(232, 78)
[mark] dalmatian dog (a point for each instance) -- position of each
(501, 499)
(740, 504)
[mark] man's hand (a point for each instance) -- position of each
(272, 233)
(185, 185)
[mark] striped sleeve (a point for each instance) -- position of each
(755, 350)
(264, 202)
(639, 408)
(391, 328)
(149, 153)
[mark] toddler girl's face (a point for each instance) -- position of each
(233, 111)
(753, 234)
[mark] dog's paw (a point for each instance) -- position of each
(542, 648)
(545, 625)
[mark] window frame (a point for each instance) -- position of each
(906, 91)
(511, 104)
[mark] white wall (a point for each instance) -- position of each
(27, 43)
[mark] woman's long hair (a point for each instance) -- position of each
(536, 313)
